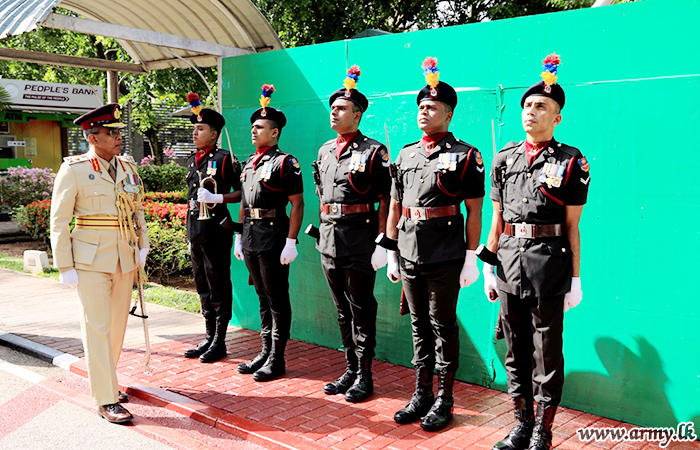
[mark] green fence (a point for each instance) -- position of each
(631, 77)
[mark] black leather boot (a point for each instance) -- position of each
(210, 324)
(274, 366)
(542, 433)
(363, 386)
(259, 360)
(519, 436)
(440, 413)
(342, 384)
(217, 349)
(423, 398)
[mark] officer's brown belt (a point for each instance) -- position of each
(97, 222)
(417, 213)
(338, 208)
(526, 230)
(259, 213)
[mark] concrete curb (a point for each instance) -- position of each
(39, 351)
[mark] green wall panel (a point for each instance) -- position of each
(631, 76)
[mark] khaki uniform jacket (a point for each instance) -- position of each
(81, 190)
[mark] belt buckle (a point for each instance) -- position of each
(335, 208)
(523, 230)
(418, 213)
(254, 213)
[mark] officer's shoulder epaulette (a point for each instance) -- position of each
(569, 150)
(127, 158)
(510, 146)
(328, 142)
(461, 143)
(76, 159)
(411, 144)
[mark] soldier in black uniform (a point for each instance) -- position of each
(436, 174)
(538, 188)
(210, 240)
(353, 176)
(271, 179)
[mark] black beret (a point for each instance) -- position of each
(209, 117)
(556, 93)
(104, 116)
(443, 92)
(353, 95)
(269, 114)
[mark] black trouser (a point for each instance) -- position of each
(534, 362)
(271, 281)
(351, 281)
(211, 264)
(432, 291)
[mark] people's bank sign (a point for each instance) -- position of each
(41, 96)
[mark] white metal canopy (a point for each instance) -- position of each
(154, 32)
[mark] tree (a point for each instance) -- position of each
(304, 22)
(4, 99)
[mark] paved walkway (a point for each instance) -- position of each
(288, 413)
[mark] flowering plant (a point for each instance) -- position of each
(21, 186)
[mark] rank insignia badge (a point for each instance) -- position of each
(584, 164)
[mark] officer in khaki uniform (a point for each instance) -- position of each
(353, 175)
(435, 175)
(102, 254)
(538, 189)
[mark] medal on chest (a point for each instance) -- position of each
(211, 168)
(447, 161)
(552, 174)
(266, 171)
(131, 183)
(358, 162)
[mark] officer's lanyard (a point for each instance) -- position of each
(201, 153)
(342, 142)
(533, 150)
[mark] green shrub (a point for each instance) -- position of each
(178, 197)
(21, 186)
(168, 255)
(168, 177)
(35, 218)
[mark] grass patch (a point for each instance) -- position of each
(160, 295)
(170, 297)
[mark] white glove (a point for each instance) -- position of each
(574, 296)
(189, 246)
(69, 277)
(142, 256)
(378, 258)
(238, 248)
(469, 273)
(392, 267)
(490, 282)
(205, 196)
(289, 252)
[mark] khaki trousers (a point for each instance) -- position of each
(104, 310)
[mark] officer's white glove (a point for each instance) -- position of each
(69, 277)
(238, 248)
(574, 296)
(469, 273)
(289, 252)
(378, 258)
(204, 196)
(142, 256)
(490, 282)
(392, 267)
(189, 246)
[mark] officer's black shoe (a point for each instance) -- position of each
(519, 436)
(440, 413)
(259, 360)
(542, 433)
(208, 339)
(342, 384)
(363, 386)
(422, 400)
(274, 366)
(217, 350)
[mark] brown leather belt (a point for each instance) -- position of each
(260, 213)
(340, 209)
(419, 213)
(526, 230)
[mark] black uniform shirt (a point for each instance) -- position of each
(268, 185)
(537, 194)
(432, 181)
(227, 177)
(359, 176)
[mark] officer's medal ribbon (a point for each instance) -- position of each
(553, 174)
(211, 168)
(266, 172)
(452, 158)
(131, 183)
(362, 161)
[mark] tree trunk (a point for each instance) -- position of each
(156, 151)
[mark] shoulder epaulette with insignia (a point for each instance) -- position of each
(569, 150)
(411, 144)
(127, 158)
(510, 146)
(75, 159)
